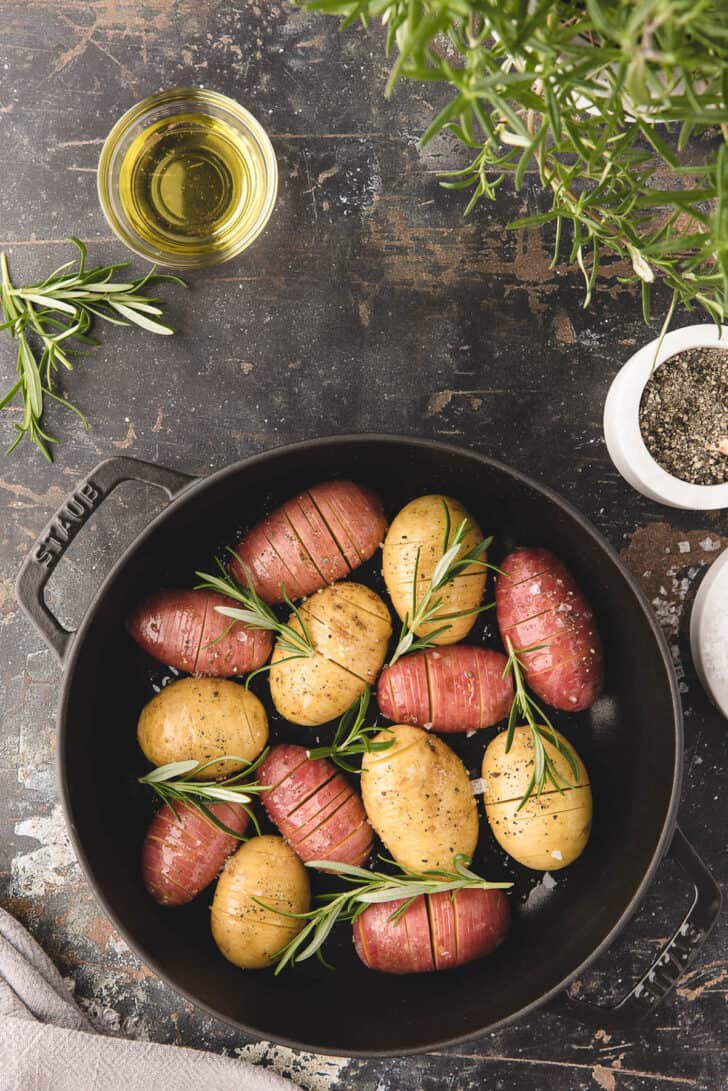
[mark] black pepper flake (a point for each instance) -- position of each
(684, 416)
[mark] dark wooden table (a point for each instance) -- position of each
(369, 304)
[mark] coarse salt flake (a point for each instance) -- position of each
(478, 786)
(684, 547)
(709, 545)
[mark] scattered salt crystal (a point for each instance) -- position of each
(548, 880)
(428, 726)
(535, 589)
(709, 545)
(478, 786)
(557, 855)
(684, 547)
(469, 734)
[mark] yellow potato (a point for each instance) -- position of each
(418, 798)
(200, 719)
(550, 830)
(416, 540)
(350, 628)
(246, 933)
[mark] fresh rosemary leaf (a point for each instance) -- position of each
(425, 610)
(544, 770)
(369, 888)
(173, 783)
(57, 310)
(352, 737)
(257, 614)
(598, 102)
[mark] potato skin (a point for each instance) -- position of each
(183, 629)
(420, 525)
(314, 539)
(247, 934)
(182, 855)
(437, 932)
(350, 627)
(551, 830)
(315, 807)
(458, 688)
(539, 602)
(418, 798)
(201, 719)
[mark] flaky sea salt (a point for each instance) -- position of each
(709, 545)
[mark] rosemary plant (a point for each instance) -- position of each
(258, 615)
(545, 772)
(59, 310)
(369, 888)
(352, 737)
(173, 783)
(600, 100)
(425, 610)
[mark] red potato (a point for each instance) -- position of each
(539, 602)
(183, 629)
(312, 540)
(182, 855)
(315, 808)
(455, 688)
(437, 932)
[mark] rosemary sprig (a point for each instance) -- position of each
(447, 568)
(173, 784)
(544, 770)
(59, 310)
(352, 737)
(370, 888)
(257, 614)
(600, 102)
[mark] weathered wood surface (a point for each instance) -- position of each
(368, 304)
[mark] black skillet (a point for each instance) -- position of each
(631, 741)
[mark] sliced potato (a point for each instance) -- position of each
(418, 798)
(551, 830)
(200, 719)
(350, 628)
(415, 542)
(248, 934)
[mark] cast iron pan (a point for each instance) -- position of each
(631, 741)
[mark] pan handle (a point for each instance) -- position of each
(674, 959)
(74, 512)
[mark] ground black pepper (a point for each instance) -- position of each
(684, 416)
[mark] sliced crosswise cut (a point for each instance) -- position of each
(545, 617)
(420, 535)
(349, 627)
(456, 688)
(313, 539)
(436, 931)
(182, 628)
(184, 851)
(354, 516)
(314, 806)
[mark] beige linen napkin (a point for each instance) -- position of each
(47, 1044)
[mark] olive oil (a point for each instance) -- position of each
(187, 178)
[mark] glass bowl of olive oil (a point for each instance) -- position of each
(187, 178)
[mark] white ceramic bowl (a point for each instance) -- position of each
(622, 426)
(707, 625)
